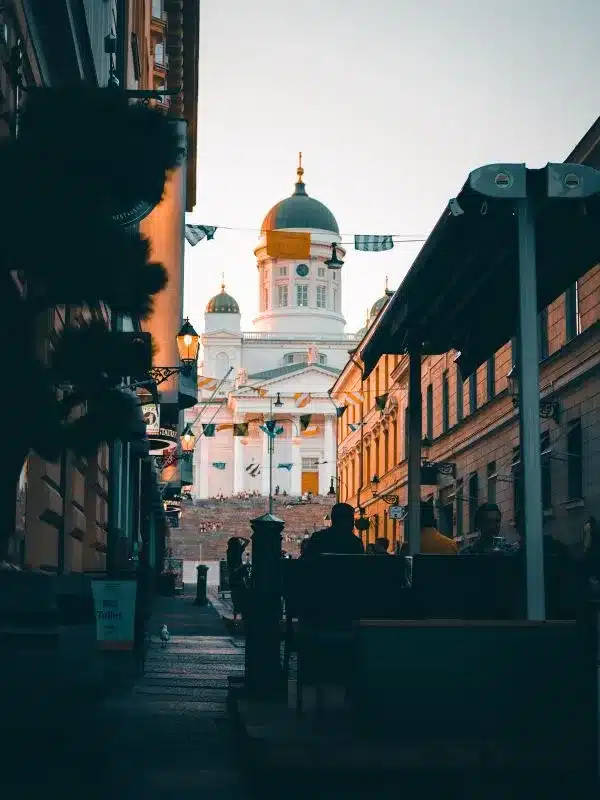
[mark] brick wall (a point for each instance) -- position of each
(234, 516)
(487, 435)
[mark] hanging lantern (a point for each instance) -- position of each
(334, 262)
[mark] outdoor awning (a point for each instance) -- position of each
(461, 291)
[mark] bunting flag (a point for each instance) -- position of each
(240, 429)
(285, 466)
(340, 411)
(169, 457)
(354, 426)
(208, 429)
(218, 464)
(372, 243)
(381, 401)
(302, 399)
(225, 426)
(207, 383)
(271, 428)
(283, 244)
(196, 233)
(253, 469)
(305, 421)
(312, 430)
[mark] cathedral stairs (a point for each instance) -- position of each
(195, 538)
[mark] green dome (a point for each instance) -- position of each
(300, 211)
(361, 332)
(222, 303)
(379, 304)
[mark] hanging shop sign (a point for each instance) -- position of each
(151, 412)
(114, 606)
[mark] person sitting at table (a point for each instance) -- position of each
(381, 547)
(488, 537)
(432, 541)
(338, 538)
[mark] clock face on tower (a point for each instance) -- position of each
(302, 270)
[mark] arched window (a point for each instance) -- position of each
(221, 365)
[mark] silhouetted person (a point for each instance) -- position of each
(488, 541)
(339, 537)
(432, 541)
(238, 572)
(382, 546)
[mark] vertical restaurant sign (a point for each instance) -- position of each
(114, 606)
(151, 412)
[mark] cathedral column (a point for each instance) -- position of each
(201, 467)
(327, 470)
(238, 465)
(296, 475)
(265, 465)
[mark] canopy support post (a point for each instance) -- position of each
(529, 413)
(415, 424)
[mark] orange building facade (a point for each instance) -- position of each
(64, 518)
(471, 427)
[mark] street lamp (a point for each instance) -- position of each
(334, 262)
(549, 409)
(188, 347)
(362, 524)
(188, 441)
(278, 402)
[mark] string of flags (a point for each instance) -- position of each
(296, 244)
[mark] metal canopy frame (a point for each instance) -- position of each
(510, 243)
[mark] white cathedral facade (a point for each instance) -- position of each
(280, 370)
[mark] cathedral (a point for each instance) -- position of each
(280, 372)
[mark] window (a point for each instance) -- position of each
(321, 272)
(572, 318)
(159, 54)
(473, 499)
(334, 276)
(575, 460)
(282, 296)
(429, 413)
(322, 358)
(406, 424)
(513, 352)
(459, 396)
(310, 464)
(546, 474)
(288, 358)
(459, 507)
(335, 302)
(492, 478)
(394, 442)
(321, 297)
(491, 378)
(282, 272)
(302, 295)
(516, 484)
(157, 7)
(543, 334)
(445, 403)
(386, 451)
(473, 393)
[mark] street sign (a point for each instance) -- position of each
(398, 512)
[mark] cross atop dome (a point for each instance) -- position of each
(300, 170)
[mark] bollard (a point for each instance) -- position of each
(201, 581)
(263, 669)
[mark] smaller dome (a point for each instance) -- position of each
(379, 304)
(222, 303)
(360, 334)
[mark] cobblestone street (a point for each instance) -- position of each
(168, 736)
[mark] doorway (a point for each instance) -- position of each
(446, 520)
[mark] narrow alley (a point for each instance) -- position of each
(166, 736)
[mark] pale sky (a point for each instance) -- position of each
(392, 103)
